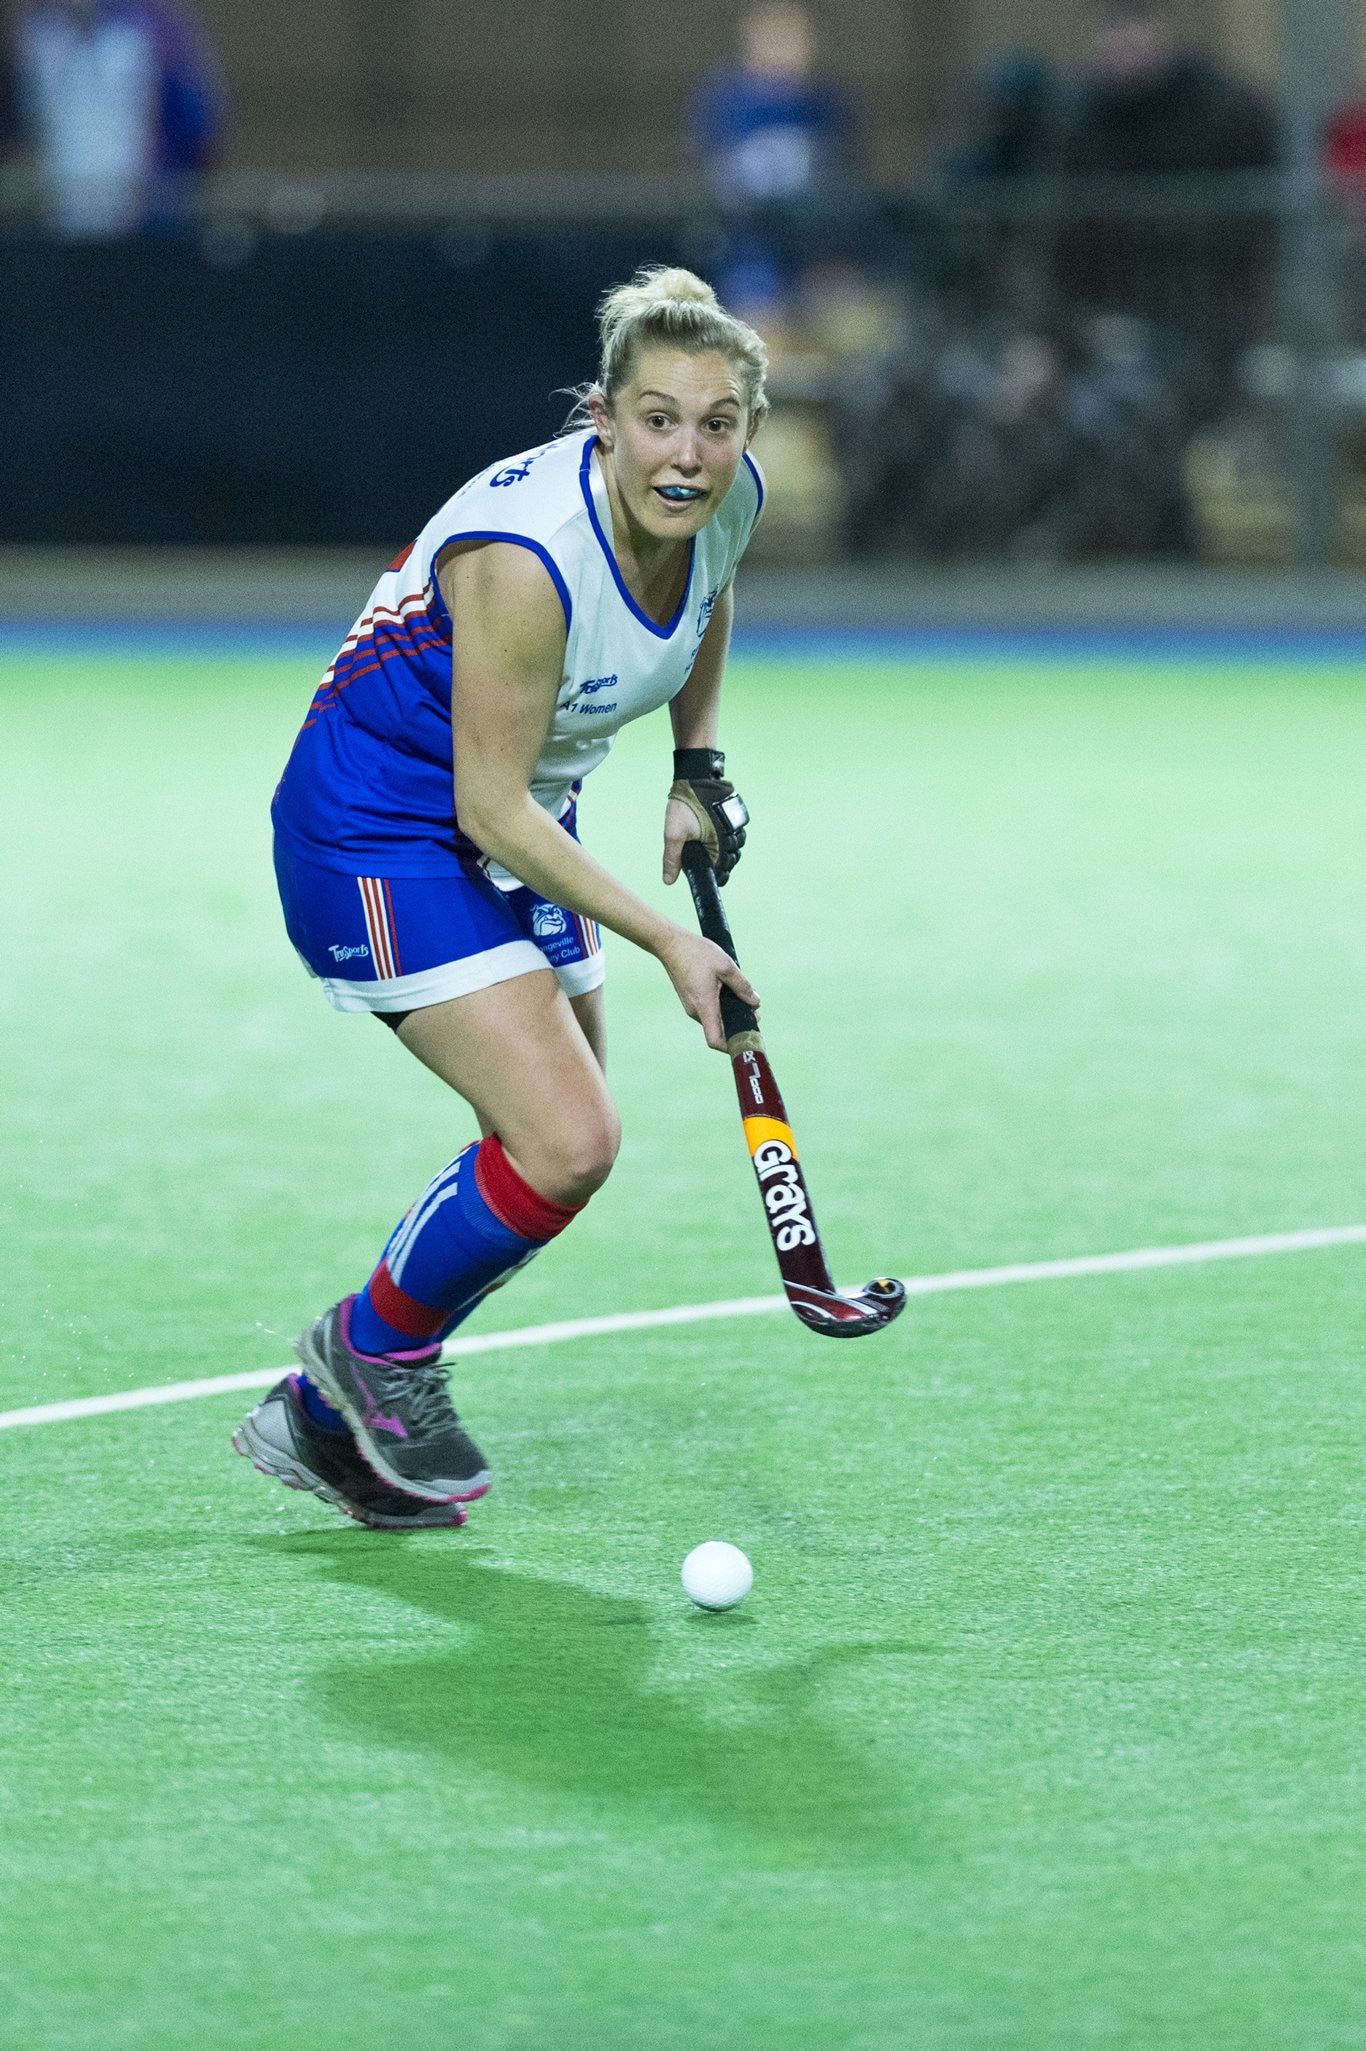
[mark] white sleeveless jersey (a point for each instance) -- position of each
(618, 663)
(371, 771)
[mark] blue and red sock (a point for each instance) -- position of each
(472, 1227)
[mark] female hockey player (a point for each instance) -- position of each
(554, 598)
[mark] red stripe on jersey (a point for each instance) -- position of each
(415, 602)
(382, 923)
(326, 699)
(376, 925)
(361, 885)
(393, 929)
(376, 656)
(421, 632)
(415, 626)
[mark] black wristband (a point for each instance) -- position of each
(691, 762)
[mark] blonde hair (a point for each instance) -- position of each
(667, 304)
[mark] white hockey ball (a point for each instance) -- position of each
(717, 1575)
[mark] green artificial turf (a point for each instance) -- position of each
(1043, 1724)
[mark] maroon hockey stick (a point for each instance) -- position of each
(787, 1206)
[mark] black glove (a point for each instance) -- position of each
(720, 811)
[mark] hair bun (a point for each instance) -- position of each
(651, 290)
(676, 286)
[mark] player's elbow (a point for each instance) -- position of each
(491, 825)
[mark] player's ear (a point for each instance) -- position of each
(602, 418)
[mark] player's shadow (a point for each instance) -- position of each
(550, 1685)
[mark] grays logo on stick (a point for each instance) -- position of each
(807, 1282)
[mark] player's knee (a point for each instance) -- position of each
(595, 1152)
(578, 1159)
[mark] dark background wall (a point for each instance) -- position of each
(333, 387)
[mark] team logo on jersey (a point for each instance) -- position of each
(515, 473)
(704, 613)
(547, 920)
(587, 690)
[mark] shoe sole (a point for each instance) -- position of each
(277, 1466)
(315, 1366)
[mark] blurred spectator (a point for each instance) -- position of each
(119, 102)
(982, 440)
(1014, 121)
(1148, 105)
(1053, 369)
(980, 257)
(775, 139)
(769, 129)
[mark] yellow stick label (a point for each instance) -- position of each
(758, 1132)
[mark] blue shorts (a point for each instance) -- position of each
(397, 943)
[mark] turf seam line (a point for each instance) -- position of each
(1135, 1260)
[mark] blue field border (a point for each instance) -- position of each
(319, 639)
(172, 637)
(1060, 643)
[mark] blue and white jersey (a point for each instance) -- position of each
(369, 787)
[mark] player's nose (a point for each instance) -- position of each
(688, 452)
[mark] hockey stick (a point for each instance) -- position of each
(796, 1242)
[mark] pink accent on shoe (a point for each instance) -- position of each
(374, 1416)
(418, 1358)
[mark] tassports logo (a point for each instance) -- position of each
(345, 953)
(594, 684)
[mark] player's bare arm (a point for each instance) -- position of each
(506, 672)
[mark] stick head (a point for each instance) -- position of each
(841, 1315)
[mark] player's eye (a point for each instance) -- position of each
(660, 420)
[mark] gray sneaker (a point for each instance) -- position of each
(399, 1411)
(282, 1440)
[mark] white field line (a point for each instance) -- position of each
(738, 1306)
